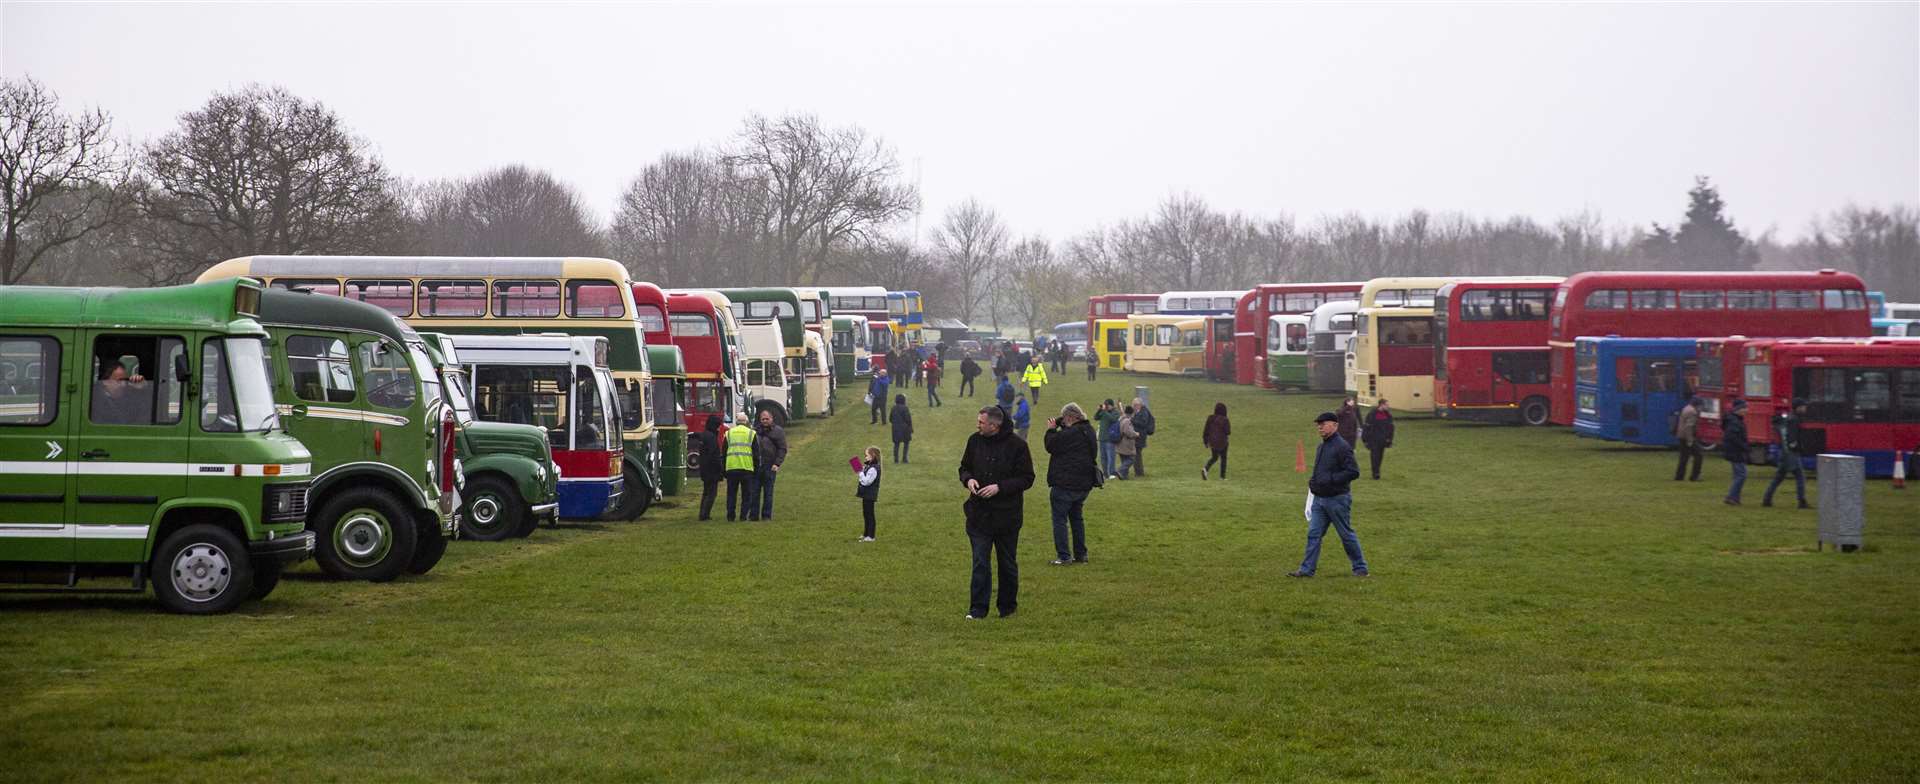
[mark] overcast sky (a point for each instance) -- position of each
(1065, 116)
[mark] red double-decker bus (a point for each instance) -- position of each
(1698, 304)
(1119, 306)
(1250, 318)
(696, 326)
(650, 310)
(1490, 357)
(1862, 396)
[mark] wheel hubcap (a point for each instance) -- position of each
(486, 509)
(201, 572)
(363, 537)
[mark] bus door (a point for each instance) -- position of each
(1220, 349)
(131, 446)
(38, 420)
(1665, 387)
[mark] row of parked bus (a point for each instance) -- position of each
(1503, 348)
(363, 411)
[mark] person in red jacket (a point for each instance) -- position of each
(1214, 435)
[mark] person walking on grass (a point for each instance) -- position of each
(867, 473)
(902, 429)
(1143, 426)
(914, 360)
(1003, 392)
(1378, 434)
(996, 469)
(1334, 470)
(713, 467)
(1686, 436)
(1214, 436)
(1071, 475)
(743, 468)
(1093, 362)
(1022, 416)
(1035, 377)
(1106, 422)
(877, 397)
(1733, 446)
(933, 373)
(1786, 433)
(773, 443)
(1349, 421)
(1127, 449)
(969, 370)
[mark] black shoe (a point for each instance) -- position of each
(1298, 573)
(1731, 501)
(1008, 613)
(1803, 505)
(1362, 574)
(1081, 559)
(1766, 502)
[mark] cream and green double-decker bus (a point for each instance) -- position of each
(139, 441)
(582, 297)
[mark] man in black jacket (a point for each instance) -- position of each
(996, 469)
(1334, 470)
(773, 442)
(1733, 446)
(706, 444)
(1786, 433)
(1143, 424)
(969, 370)
(1072, 470)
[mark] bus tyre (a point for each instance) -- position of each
(1534, 411)
(493, 512)
(430, 549)
(779, 414)
(364, 534)
(266, 577)
(635, 499)
(201, 570)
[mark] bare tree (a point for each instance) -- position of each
(1039, 290)
(1882, 246)
(510, 211)
(263, 171)
(668, 226)
(58, 175)
(969, 243)
(820, 189)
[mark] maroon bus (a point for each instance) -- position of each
(1828, 303)
(1275, 299)
(1490, 349)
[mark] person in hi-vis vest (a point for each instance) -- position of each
(743, 469)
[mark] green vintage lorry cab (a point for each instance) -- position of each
(139, 441)
(356, 386)
(512, 481)
(669, 414)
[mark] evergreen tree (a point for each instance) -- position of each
(1706, 241)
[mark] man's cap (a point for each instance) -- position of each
(1326, 416)
(1738, 403)
(1799, 401)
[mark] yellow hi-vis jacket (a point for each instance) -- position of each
(1035, 374)
(740, 446)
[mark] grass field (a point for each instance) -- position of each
(1542, 608)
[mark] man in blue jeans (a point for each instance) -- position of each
(1334, 469)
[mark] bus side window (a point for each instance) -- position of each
(29, 380)
(1626, 377)
(1906, 396)
(123, 393)
(390, 382)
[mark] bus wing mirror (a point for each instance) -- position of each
(182, 372)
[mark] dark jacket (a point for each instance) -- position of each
(969, 368)
(1000, 459)
(713, 458)
(1215, 434)
(902, 422)
(1786, 432)
(1349, 426)
(1333, 468)
(871, 490)
(1733, 437)
(773, 446)
(1072, 456)
(1379, 431)
(1143, 425)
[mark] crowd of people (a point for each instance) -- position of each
(1736, 448)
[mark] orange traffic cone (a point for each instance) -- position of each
(1899, 470)
(1299, 457)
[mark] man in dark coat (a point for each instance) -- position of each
(1142, 425)
(1072, 473)
(1349, 421)
(969, 370)
(1786, 433)
(1334, 470)
(1378, 435)
(1733, 446)
(773, 446)
(996, 469)
(713, 465)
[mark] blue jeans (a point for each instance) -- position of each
(1739, 478)
(1107, 458)
(984, 549)
(1338, 511)
(1068, 508)
(766, 494)
(1789, 463)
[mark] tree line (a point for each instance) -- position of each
(784, 200)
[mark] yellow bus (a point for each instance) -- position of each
(1167, 345)
(1393, 358)
(1110, 342)
(582, 297)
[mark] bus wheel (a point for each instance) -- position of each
(364, 534)
(635, 499)
(431, 548)
(493, 512)
(779, 414)
(202, 570)
(266, 577)
(1534, 411)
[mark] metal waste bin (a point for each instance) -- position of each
(1141, 393)
(1843, 513)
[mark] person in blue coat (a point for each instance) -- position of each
(877, 393)
(1022, 416)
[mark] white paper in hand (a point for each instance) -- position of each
(1309, 510)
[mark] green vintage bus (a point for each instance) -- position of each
(478, 295)
(851, 359)
(356, 386)
(1287, 351)
(669, 414)
(139, 440)
(512, 481)
(780, 306)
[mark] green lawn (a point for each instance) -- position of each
(1542, 607)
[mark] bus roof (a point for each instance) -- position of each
(1175, 319)
(414, 266)
(1503, 282)
(530, 349)
(1616, 343)
(1391, 311)
(225, 305)
(853, 291)
(666, 361)
(303, 308)
(1583, 281)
